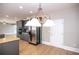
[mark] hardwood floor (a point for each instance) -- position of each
(41, 49)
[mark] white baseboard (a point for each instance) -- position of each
(62, 46)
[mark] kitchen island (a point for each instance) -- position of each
(9, 45)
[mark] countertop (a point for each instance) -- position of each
(8, 38)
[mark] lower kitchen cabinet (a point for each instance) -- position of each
(10, 48)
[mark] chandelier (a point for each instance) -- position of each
(40, 19)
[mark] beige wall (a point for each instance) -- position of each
(71, 25)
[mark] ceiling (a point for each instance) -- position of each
(10, 12)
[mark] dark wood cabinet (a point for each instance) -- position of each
(22, 30)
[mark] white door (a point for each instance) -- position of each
(57, 32)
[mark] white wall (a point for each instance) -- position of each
(7, 29)
(71, 25)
